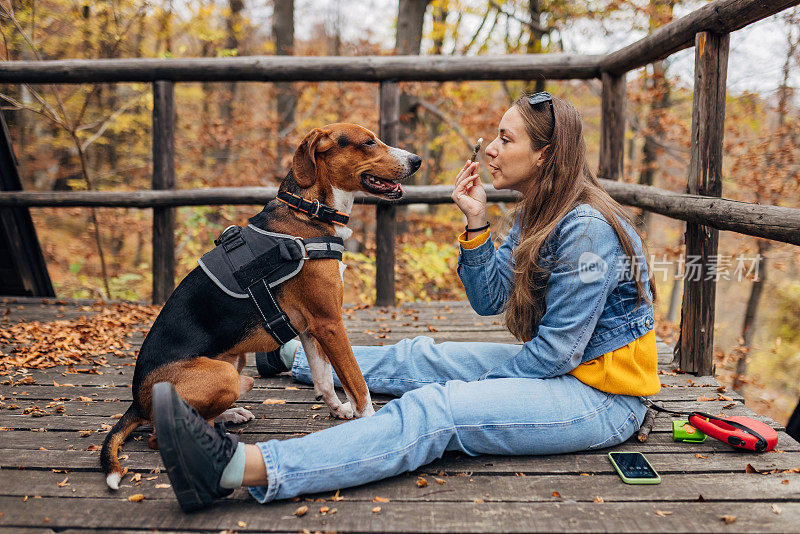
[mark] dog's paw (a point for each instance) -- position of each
(343, 411)
(236, 416)
(369, 410)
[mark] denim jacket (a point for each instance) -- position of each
(590, 295)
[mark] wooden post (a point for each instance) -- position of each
(612, 137)
(163, 178)
(695, 348)
(385, 223)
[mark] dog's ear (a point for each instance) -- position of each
(304, 163)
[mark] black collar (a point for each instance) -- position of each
(314, 209)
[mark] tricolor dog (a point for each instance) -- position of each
(276, 278)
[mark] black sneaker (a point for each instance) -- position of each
(270, 363)
(194, 453)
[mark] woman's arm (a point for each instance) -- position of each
(487, 274)
(584, 274)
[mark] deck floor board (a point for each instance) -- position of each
(50, 478)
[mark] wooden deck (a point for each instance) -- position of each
(50, 477)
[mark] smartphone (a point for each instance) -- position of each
(633, 468)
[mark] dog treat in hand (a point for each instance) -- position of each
(476, 149)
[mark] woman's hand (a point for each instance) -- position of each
(470, 196)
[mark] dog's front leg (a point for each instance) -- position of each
(322, 375)
(333, 340)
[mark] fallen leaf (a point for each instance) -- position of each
(438, 480)
(332, 511)
(376, 509)
(380, 499)
(663, 513)
(317, 406)
(336, 497)
(705, 399)
(556, 495)
(598, 499)
(241, 524)
(478, 501)
(776, 509)
(300, 512)
(162, 486)
(292, 388)
(64, 482)
(727, 519)
(116, 416)
(138, 497)
(785, 481)
(701, 456)
(136, 476)
(324, 510)
(93, 448)
(421, 482)
(749, 469)
(274, 401)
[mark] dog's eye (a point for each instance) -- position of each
(343, 142)
(370, 142)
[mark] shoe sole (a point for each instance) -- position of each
(162, 417)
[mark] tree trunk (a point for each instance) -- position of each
(410, 17)
(285, 98)
(661, 13)
(750, 316)
(233, 25)
(534, 45)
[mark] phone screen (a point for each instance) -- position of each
(633, 465)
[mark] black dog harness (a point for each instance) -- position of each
(249, 262)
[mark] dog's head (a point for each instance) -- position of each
(352, 158)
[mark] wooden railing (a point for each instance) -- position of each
(707, 29)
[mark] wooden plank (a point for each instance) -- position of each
(307, 68)
(403, 488)
(385, 223)
(163, 178)
(665, 461)
(402, 517)
(612, 127)
(23, 262)
(695, 348)
(770, 222)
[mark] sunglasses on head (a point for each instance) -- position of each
(540, 98)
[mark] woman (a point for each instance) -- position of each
(573, 281)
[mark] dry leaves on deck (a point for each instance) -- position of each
(36, 345)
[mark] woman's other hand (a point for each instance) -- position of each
(470, 196)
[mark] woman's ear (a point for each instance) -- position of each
(542, 156)
(304, 162)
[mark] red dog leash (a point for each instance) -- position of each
(737, 431)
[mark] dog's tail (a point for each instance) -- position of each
(115, 437)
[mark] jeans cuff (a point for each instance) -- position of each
(266, 493)
(295, 365)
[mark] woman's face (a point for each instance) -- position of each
(512, 161)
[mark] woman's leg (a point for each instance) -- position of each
(498, 416)
(414, 362)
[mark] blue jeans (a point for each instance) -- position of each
(444, 407)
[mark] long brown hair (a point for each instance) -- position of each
(562, 182)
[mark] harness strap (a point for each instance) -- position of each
(324, 247)
(314, 209)
(275, 320)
